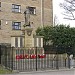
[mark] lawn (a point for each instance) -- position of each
(4, 71)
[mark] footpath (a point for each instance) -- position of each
(48, 72)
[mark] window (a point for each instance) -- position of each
(38, 41)
(16, 8)
(17, 41)
(21, 41)
(32, 10)
(0, 4)
(34, 0)
(0, 24)
(16, 25)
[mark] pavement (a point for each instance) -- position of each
(51, 72)
(48, 72)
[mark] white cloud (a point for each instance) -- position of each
(58, 12)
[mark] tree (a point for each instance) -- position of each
(60, 36)
(55, 20)
(45, 31)
(69, 7)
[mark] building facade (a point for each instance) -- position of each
(12, 18)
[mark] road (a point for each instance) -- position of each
(57, 72)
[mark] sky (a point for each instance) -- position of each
(57, 11)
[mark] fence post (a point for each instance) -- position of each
(5, 56)
(68, 62)
(57, 62)
(36, 58)
(0, 54)
(65, 62)
(57, 58)
(12, 57)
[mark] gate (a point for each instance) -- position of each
(31, 59)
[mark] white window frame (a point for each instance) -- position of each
(17, 41)
(16, 8)
(16, 25)
(0, 4)
(32, 10)
(0, 24)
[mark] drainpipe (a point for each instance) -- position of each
(42, 13)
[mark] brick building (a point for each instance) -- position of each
(12, 18)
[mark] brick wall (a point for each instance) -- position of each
(7, 16)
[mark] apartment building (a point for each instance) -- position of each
(12, 18)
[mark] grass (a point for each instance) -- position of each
(4, 71)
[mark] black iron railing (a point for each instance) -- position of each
(28, 59)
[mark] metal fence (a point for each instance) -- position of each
(31, 59)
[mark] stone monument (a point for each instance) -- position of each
(28, 37)
(28, 30)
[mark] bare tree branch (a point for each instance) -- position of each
(69, 18)
(69, 7)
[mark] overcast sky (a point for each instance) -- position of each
(58, 12)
